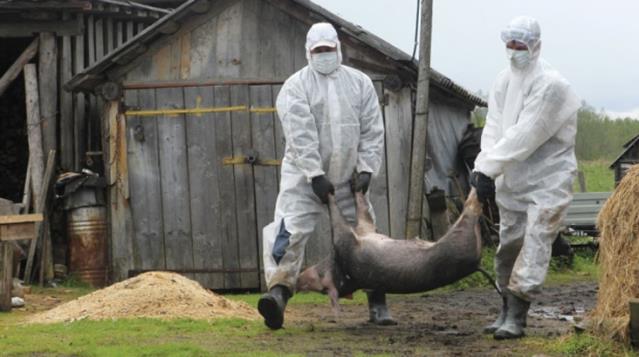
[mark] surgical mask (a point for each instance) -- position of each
(325, 62)
(518, 58)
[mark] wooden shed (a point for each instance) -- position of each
(193, 143)
(44, 43)
(628, 157)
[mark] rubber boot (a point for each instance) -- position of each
(272, 304)
(500, 319)
(377, 310)
(513, 326)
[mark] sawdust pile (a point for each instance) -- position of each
(154, 295)
(618, 224)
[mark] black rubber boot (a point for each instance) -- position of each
(272, 304)
(500, 319)
(513, 326)
(377, 309)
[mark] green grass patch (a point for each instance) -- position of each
(138, 337)
(560, 271)
(599, 178)
(579, 345)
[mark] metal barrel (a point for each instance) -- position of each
(88, 244)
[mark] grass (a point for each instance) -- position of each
(235, 337)
(139, 337)
(599, 178)
(583, 268)
(579, 345)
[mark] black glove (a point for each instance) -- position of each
(363, 181)
(322, 187)
(484, 185)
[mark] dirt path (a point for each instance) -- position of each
(435, 324)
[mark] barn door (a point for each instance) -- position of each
(203, 181)
(197, 195)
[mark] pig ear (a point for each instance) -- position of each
(364, 220)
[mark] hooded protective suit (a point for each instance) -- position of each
(528, 148)
(333, 126)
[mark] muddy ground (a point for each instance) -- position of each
(432, 324)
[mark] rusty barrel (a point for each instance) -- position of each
(88, 244)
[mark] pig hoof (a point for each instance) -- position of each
(384, 322)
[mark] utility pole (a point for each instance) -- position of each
(420, 127)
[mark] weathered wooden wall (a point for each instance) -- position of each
(188, 210)
(78, 114)
(250, 39)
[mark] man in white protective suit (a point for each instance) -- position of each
(528, 149)
(333, 127)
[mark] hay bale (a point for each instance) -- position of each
(618, 223)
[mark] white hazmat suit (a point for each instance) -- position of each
(528, 148)
(333, 126)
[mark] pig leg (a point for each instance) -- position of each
(364, 219)
(334, 296)
(377, 309)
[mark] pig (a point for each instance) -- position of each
(362, 258)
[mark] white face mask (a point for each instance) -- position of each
(325, 62)
(519, 59)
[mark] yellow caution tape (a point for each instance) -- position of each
(198, 111)
(241, 160)
(148, 113)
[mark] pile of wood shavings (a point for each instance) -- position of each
(153, 295)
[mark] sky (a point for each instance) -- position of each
(593, 43)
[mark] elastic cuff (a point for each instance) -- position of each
(488, 168)
(310, 175)
(363, 167)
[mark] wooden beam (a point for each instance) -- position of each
(34, 132)
(17, 66)
(20, 218)
(80, 106)
(28, 29)
(17, 231)
(200, 7)
(26, 195)
(169, 27)
(47, 5)
(48, 77)
(66, 105)
(6, 275)
(420, 128)
(44, 193)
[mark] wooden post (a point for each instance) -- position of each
(47, 181)
(48, 78)
(66, 105)
(26, 192)
(17, 66)
(34, 133)
(420, 128)
(79, 123)
(634, 321)
(6, 275)
(582, 181)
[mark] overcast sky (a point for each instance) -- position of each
(593, 43)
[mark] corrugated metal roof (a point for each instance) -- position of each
(94, 75)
